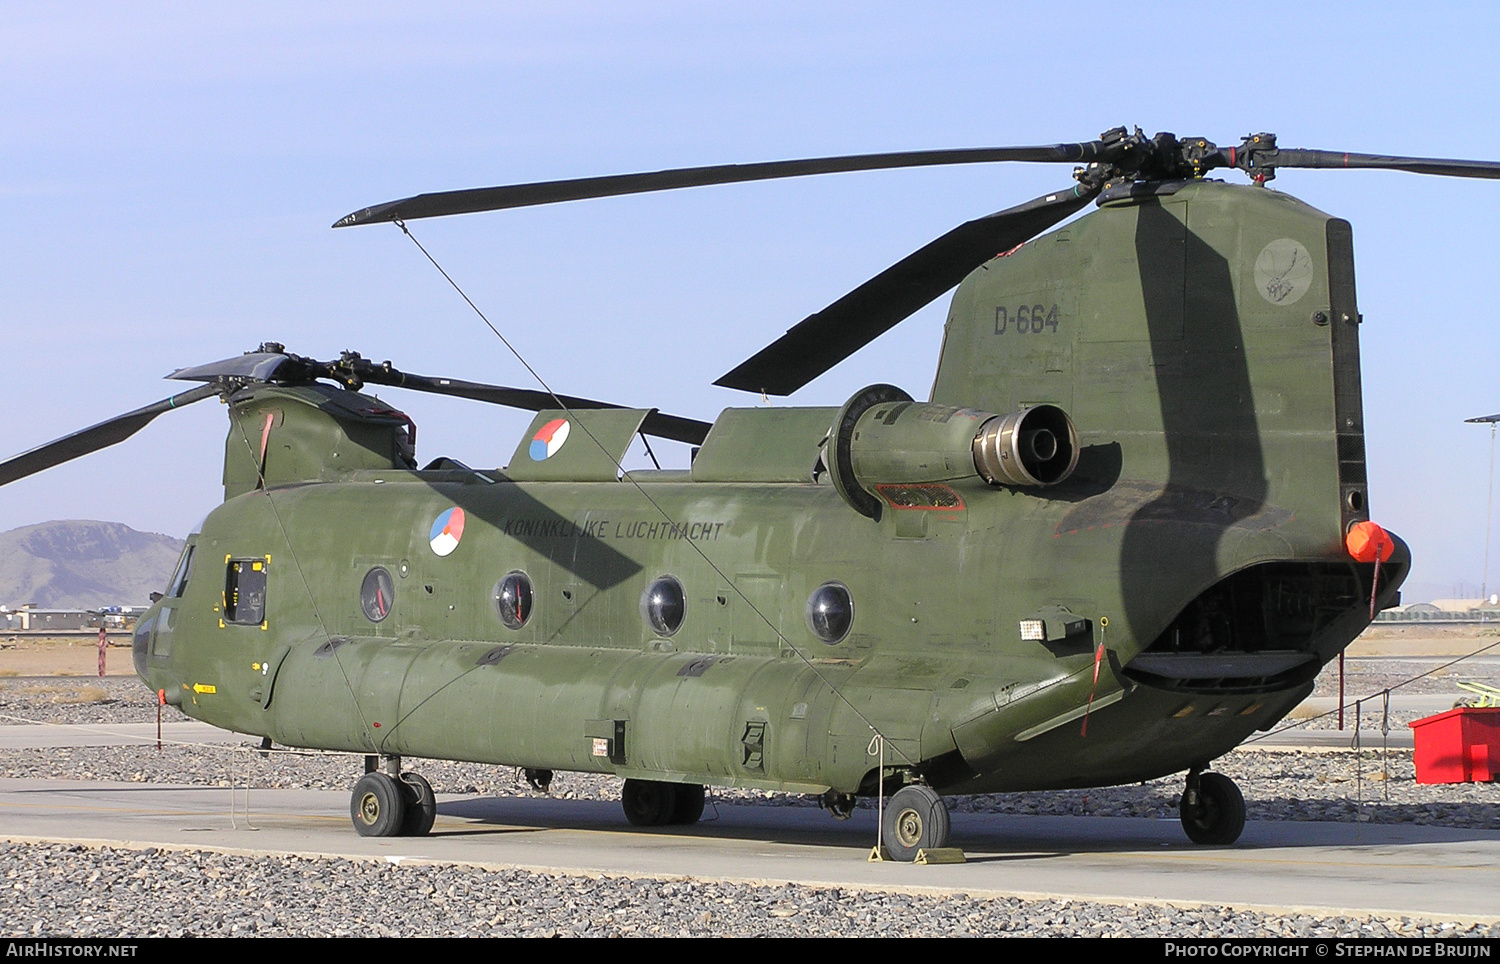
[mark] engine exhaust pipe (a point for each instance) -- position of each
(1035, 446)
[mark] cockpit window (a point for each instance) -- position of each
(178, 583)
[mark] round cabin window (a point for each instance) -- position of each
(830, 612)
(663, 605)
(513, 599)
(376, 594)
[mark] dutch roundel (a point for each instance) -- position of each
(545, 443)
(447, 531)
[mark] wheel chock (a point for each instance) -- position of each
(941, 855)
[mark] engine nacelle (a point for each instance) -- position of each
(881, 437)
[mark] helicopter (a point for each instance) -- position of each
(1125, 531)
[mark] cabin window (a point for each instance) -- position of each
(830, 612)
(513, 599)
(245, 592)
(376, 594)
(663, 605)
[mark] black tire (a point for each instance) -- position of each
(648, 803)
(688, 807)
(421, 805)
(915, 819)
(377, 807)
(1218, 818)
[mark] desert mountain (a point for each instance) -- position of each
(79, 564)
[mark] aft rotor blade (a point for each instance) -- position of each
(95, 437)
(551, 192)
(820, 341)
(1417, 165)
(674, 427)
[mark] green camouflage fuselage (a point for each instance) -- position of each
(1190, 575)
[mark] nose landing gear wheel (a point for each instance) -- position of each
(377, 807)
(915, 819)
(1213, 812)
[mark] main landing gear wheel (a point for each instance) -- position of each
(649, 803)
(688, 805)
(377, 807)
(420, 804)
(915, 819)
(1213, 811)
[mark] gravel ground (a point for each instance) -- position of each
(61, 890)
(1365, 679)
(61, 699)
(80, 892)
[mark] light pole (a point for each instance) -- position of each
(1484, 587)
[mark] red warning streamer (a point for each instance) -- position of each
(1098, 658)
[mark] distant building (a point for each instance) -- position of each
(1443, 611)
(30, 618)
(1464, 605)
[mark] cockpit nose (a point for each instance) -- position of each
(140, 642)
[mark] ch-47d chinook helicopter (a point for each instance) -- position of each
(1125, 531)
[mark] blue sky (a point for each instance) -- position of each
(169, 172)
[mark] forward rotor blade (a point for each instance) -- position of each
(266, 366)
(550, 192)
(260, 366)
(1416, 165)
(673, 427)
(95, 437)
(821, 341)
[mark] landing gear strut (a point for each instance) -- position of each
(841, 805)
(1212, 808)
(916, 818)
(392, 804)
(652, 803)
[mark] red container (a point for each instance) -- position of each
(1459, 746)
